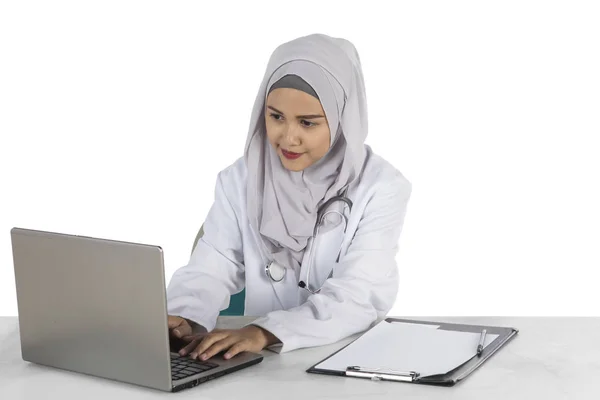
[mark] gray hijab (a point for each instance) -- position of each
(282, 205)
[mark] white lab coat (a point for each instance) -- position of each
(363, 286)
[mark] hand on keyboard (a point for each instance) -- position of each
(250, 338)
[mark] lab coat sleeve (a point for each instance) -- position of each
(364, 284)
(202, 288)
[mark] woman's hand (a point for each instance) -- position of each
(179, 327)
(250, 338)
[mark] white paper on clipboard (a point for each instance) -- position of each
(401, 346)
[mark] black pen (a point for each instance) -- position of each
(481, 342)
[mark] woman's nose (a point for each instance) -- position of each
(291, 135)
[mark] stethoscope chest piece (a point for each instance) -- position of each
(275, 271)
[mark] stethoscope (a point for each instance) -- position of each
(277, 272)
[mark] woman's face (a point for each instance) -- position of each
(296, 127)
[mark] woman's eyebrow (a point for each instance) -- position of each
(311, 116)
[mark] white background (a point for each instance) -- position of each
(116, 116)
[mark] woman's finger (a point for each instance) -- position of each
(179, 327)
(219, 346)
(195, 341)
(173, 321)
(189, 338)
(237, 348)
(208, 341)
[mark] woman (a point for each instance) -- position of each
(305, 146)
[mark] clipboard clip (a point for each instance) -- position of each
(382, 374)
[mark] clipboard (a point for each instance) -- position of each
(450, 378)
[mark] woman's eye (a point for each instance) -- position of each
(307, 123)
(276, 117)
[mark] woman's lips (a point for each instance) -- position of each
(289, 155)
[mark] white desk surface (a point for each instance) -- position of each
(550, 358)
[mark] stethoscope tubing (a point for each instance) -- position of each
(321, 214)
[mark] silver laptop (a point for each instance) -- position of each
(98, 307)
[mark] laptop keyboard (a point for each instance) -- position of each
(182, 367)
